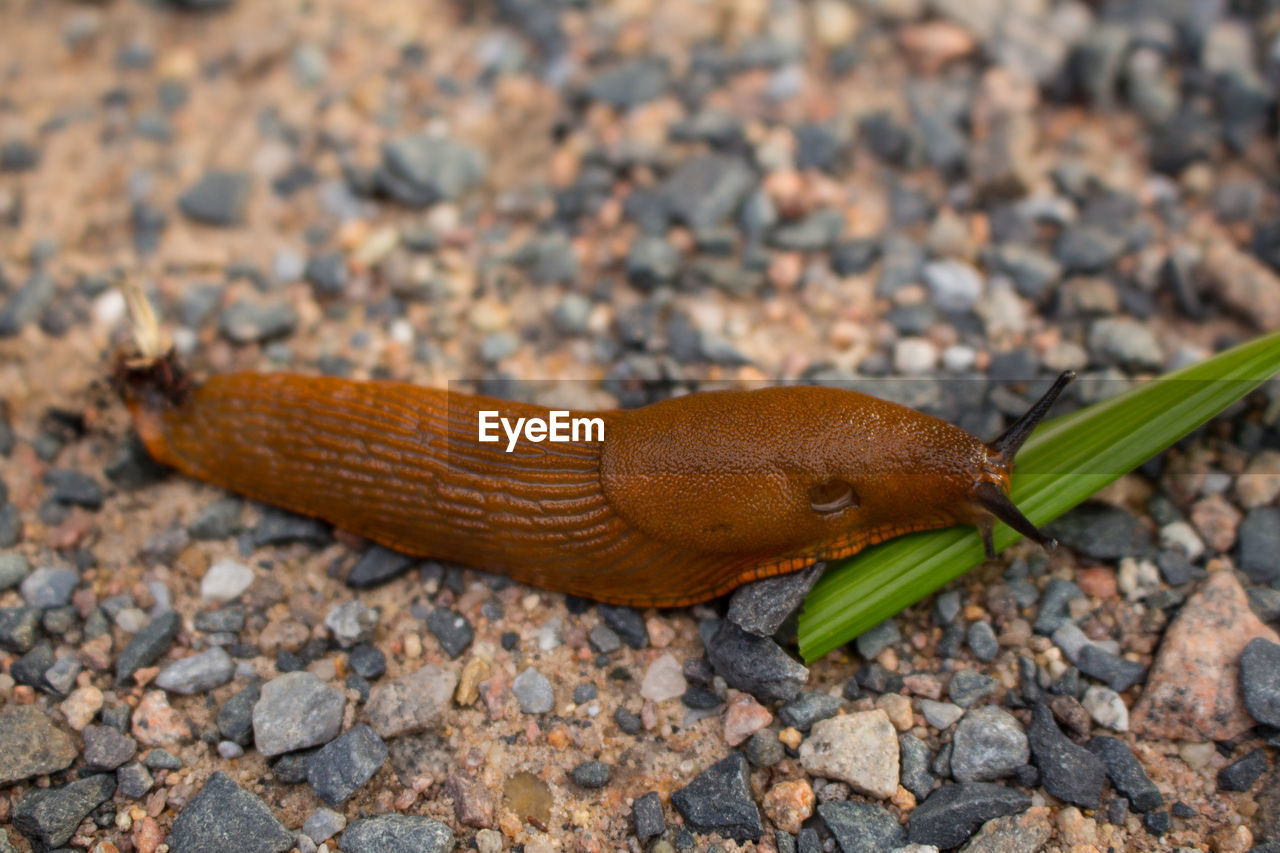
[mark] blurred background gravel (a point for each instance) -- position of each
(647, 196)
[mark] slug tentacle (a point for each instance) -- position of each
(1011, 440)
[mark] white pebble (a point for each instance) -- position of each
(663, 680)
(225, 580)
(914, 356)
(1106, 707)
(959, 358)
(1180, 534)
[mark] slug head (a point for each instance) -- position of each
(991, 490)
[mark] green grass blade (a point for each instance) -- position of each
(1064, 462)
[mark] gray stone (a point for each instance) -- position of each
(756, 665)
(592, 774)
(647, 817)
(1260, 680)
(1067, 771)
(134, 780)
(451, 630)
(1258, 543)
(877, 638)
(27, 303)
(719, 800)
(420, 170)
(952, 813)
(988, 744)
(968, 686)
(224, 816)
(396, 833)
(651, 261)
(199, 673)
(862, 827)
(48, 587)
(1126, 774)
(218, 198)
(1125, 342)
(245, 322)
(30, 745)
(296, 710)
(351, 623)
(915, 758)
(106, 748)
(339, 768)
(323, 824)
(50, 816)
(411, 702)
(13, 569)
(533, 691)
(706, 189)
(762, 606)
(148, 645)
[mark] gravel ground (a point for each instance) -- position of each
(982, 192)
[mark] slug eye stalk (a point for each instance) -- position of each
(992, 497)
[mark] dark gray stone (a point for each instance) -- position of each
(914, 758)
(1260, 680)
(217, 521)
(73, 488)
(367, 661)
(148, 645)
(1240, 774)
(808, 708)
(134, 781)
(219, 198)
(719, 800)
(592, 774)
(420, 170)
(19, 628)
(327, 273)
(762, 606)
(1126, 773)
(967, 686)
(27, 304)
(983, 642)
(1101, 531)
(1116, 672)
(646, 816)
(377, 565)
(245, 322)
(651, 261)
(1067, 771)
(952, 813)
(277, 527)
(763, 749)
(228, 619)
(396, 833)
(224, 816)
(1088, 249)
(106, 748)
(50, 816)
(629, 83)
(31, 667)
(706, 189)
(339, 768)
(1258, 543)
(451, 629)
(756, 665)
(627, 622)
(1058, 596)
(235, 717)
(862, 827)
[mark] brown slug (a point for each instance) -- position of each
(681, 501)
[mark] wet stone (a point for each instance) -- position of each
(296, 710)
(50, 816)
(1068, 771)
(1240, 774)
(862, 827)
(218, 198)
(339, 768)
(761, 607)
(719, 800)
(952, 813)
(396, 833)
(148, 645)
(224, 816)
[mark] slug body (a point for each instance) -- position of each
(681, 501)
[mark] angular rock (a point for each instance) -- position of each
(988, 744)
(339, 768)
(411, 702)
(396, 833)
(1067, 771)
(296, 710)
(30, 745)
(50, 816)
(1028, 832)
(1126, 774)
(860, 749)
(952, 813)
(148, 645)
(377, 565)
(199, 673)
(1240, 775)
(224, 816)
(762, 606)
(719, 800)
(19, 628)
(755, 665)
(106, 748)
(420, 170)
(862, 827)
(1193, 690)
(706, 189)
